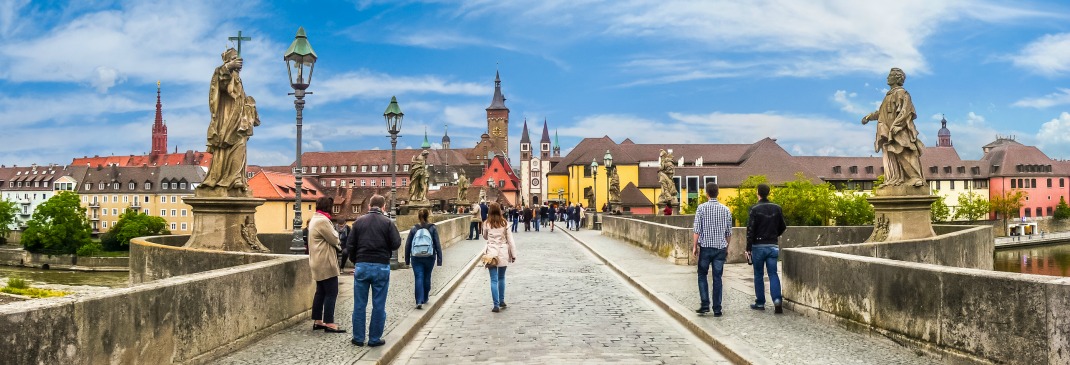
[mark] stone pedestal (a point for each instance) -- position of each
(413, 207)
(901, 217)
(613, 207)
(225, 224)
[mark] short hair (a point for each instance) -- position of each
(712, 190)
(763, 190)
(378, 201)
(324, 203)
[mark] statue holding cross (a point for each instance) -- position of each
(238, 39)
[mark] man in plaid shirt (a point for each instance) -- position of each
(713, 228)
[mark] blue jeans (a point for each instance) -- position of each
(765, 257)
(473, 230)
(515, 222)
(537, 223)
(421, 271)
(497, 284)
(711, 257)
(376, 277)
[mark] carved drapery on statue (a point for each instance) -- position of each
(233, 117)
(896, 135)
(614, 185)
(418, 178)
(665, 178)
(462, 187)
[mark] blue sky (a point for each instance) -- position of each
(80, 78)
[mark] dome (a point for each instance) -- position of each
(943, 132)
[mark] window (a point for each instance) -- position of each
(1061, 183)
(363, 182)
(835, 169)
(707, 180)
(501, 184)
(363, 168)
(163, 199)
(375, 168)
(951, 184)
(1027, 212)
(373, 182)
(853, 169)
(163, 185)
(182, 186)
(114, 198)
(183, 213)
(344, 169)
(173, 226)
(163, 212)
(104, 224)
(99, 186)
(114, 211)
(314, 169)
(386, 168)
(382, 182)
(336, 209)
(342, 183)
(1014, 184)
(174, 199)
(1033, 183)
(524, 147)
(89, 186)
(174, 186)
(104, 211)
(115, 186)
(148, 186)
(406, 168)
(183, 226)
(334, 169)
(334, 183)
(1049, 211)
(937, 184)
(356, 208)
(174, 212)
(132, 186)
(146, 199)
(126, 198)
(323, 169)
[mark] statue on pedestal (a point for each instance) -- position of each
(614, 186)
(418, 178)
(665, 175)
(462, 188)
(233, 117)
(897, 136)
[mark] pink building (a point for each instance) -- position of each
(1014, 166)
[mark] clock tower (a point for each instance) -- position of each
(498, 119)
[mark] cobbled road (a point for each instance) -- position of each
(565, 307)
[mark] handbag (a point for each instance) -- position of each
(490, 258)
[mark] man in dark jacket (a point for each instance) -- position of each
(765, 224)
(483, 208)
(371, 241)
(526, 217)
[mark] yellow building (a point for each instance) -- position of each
(106, 192)
(277, 213)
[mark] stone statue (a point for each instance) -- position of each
(462, 187)
(614, 185)
(665, 175)
(233, 117)
(483, 194)
(248, 235)
(418, 178)
(897, 136)
(589, 195)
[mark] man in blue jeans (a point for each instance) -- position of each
(765, 224)
(713, 228)
(372, 240)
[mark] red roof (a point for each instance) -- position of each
(170, 159)
(499, 170)
(277, 186)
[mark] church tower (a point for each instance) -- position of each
(446, 139)
(159, 129)
(498, 119)
(943, 137)
(525, 143)
(544, 143)
(557, 145)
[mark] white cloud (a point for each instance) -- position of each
(368, 84)
(1049, 55)
(1054, 135)
(844, 99)
(1059, 98)
(974, 119)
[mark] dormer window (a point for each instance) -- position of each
(835, 169)
(100, 186)
(947, 169)
(132, 186)
(869, 169)
(853, 169)
(148, 186)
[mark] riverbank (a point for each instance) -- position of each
(1053, 238)
(17, 257)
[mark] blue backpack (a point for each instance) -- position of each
(422, 244)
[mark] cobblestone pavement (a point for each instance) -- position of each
(782, 339)
(565, 307)
(300, 345)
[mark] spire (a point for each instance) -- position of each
(498, 102)
(426, 144)
(524, 136)
(159, 129)
(446, 138)
(943, 136)
(545, 132)
(557, 145)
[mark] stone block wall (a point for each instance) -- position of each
(670, 242)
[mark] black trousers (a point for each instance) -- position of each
(323, 302)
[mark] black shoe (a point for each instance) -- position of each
(355, 342)
(419, 306)
(376, 344)
(717, 314)
(317, 326)
(778, 308)
(334, 330)
(503, 305)
(495, 310)
(702, 310)
(757, 307)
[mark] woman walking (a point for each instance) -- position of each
(422, 251)
(323, 249)
(499, 246)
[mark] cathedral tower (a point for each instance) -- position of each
(498, 119)
(159, 129)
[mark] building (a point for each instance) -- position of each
(503, 182)
(496, 140)
(279, 192)
(107, 192)
(535, 163)
(157, 156)
(32, 185)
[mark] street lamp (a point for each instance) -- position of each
(594, 191)
(393, 116)
(608, 160)
(299, 57)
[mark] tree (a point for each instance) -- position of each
(852, 209)
(805, 203)
(1062, 210)
(1008, 204)
(746, 197)
(940, 211)
(692, 206)
(131, 224)
(973, 206)
(9, 212)
(58, 225)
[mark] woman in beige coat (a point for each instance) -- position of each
(500, 244)
(323, 249)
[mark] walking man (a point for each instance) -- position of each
(765, 224)
(713, 228)
(371, 241)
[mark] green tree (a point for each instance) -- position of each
(973, 206)
(852, 208)
(9, 212)
(58, 225)
(1008, 204)
(746, 196)
(940, 211)
(1062, 210)
(131, 224)
(693, 205)
(805, 203)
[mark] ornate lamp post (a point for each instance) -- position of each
(608, 160)
(393, 116)
(300, 60)
(594, 191)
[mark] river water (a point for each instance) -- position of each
(1041, 260)
(67, 277)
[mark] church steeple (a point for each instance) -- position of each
(498, 120)
(557, 145)
(159, 129)
(544, 143)
(943, 137)
(426, 144)
(446, 138)
(525, 143)
(498, 101)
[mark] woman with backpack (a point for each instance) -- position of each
(422, 251)
(498, 254)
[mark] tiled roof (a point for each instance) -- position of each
(170, 159)
(34, 174)
(1014, 159)
(631, 196)
(380, 157)
(276, 186)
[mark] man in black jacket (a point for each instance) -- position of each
(371, 241)
(765, 224)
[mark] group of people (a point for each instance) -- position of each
(533, 217)
(369, 244)
(712, 234)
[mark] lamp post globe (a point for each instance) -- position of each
(300, 60)
(393, 117)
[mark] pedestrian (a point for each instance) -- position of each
(765, 224)
(423, 250)
(474, 223)
(482, 215)
(323, 260)
(713, 228)
(373, 238)
(552, 215)
(514, 216)
(536, 216)
(668, 210)
(544, 214)
(573, 216)
(526, 216)
(582, 217)
(499, 244)
(343, 235)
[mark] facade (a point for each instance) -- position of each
(504, 183)
(107, 192)
(536, 161)
(278, 189)
(30, 186)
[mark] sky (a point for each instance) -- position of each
(79, 78)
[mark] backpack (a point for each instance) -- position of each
(422, 244)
